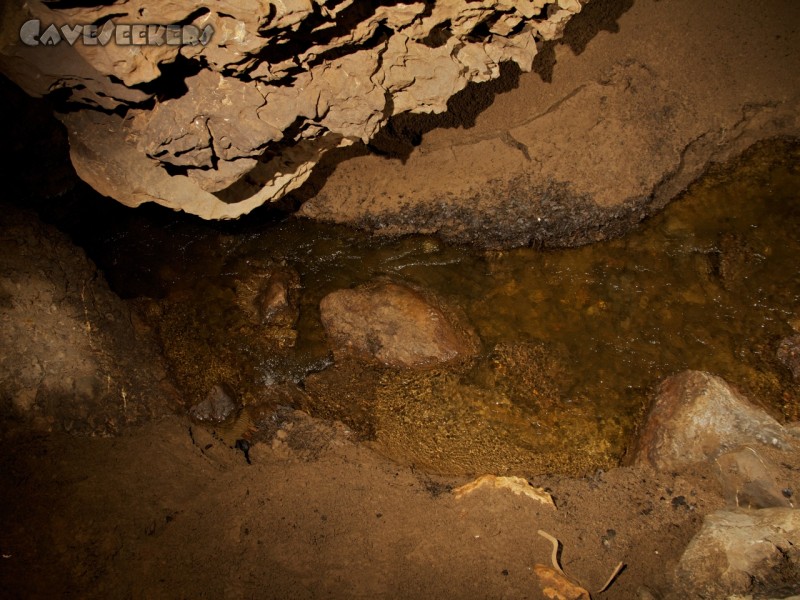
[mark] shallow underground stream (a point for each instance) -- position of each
(574, 341)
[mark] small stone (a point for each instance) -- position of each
(518, 485)
(217, 406)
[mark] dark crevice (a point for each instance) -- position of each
(193, 16)
(294, 43)
(404, 131)
(172, 81)
(438, 35)
(381, 35)
(106, 18)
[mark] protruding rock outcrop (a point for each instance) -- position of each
(260, 88)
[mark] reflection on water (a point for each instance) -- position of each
(574, 340)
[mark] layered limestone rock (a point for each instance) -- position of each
(248, 88)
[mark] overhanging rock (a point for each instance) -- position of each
(269, 88)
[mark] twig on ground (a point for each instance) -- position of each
(554, 555)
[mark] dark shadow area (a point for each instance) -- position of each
(545, 61)
(172, 81)
(596, 16)
(404, 131)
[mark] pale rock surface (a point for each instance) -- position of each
(753, 553)
(696, 417)
(277, 85)
(517, 485)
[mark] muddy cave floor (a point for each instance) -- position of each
(166, 510)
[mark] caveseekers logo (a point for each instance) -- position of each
(122, 34)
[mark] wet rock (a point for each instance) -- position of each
(789, 354)
(75, 357)
(344, 392)
(527, 373)
(696, 417)
(733, 260)
(743, 553)
(751, 480)
(395, 325)
(217, 406)
(269, 294)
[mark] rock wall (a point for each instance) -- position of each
(263, 90)
(75, 358)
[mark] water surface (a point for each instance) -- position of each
(574, 340)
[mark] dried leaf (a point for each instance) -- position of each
(518, 485)
(557, 586)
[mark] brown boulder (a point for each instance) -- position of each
(696, 417)
(394, 325)
(738, 553)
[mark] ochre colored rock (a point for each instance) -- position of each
(697, 416)
(320, 74)
(394, 325)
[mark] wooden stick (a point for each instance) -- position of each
(611, 579)
(554, 555)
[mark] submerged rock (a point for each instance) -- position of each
(394, 325)
(789, 354)
(269, 294)
(741, 553)
(696, 417)
(217, 406)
